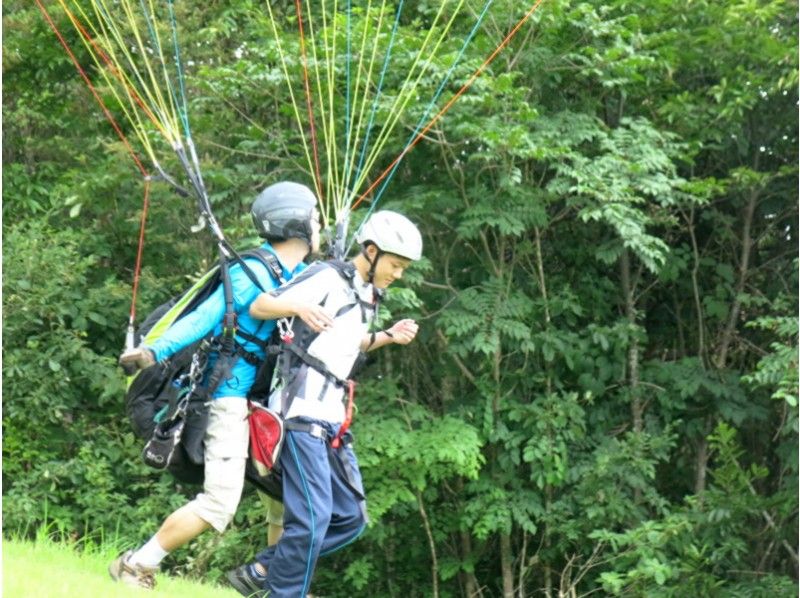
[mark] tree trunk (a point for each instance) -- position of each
(471, 586)
(701, 466)
(637, 407)
(506, 561)
(698, 305)
(431, 544)
(744, 265)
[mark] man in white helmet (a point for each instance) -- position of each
(331, 306)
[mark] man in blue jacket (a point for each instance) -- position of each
(285, 215)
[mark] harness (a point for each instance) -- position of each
(229, 348)
(294, 358)
(181, 421)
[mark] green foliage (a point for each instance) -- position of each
(778, 369)
(603, 395)
(693, 549)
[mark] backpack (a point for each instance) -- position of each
(167, 403)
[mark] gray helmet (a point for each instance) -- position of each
(284, 211)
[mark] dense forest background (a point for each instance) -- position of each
(603, 398)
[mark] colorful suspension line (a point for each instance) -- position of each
(135, 53)
(389, 169)
(96, 51)
(421, 123)
(347, 106)
(377, 97)
(294, 100)
(183, 110)
(408, 89)
(359, 103)
(309, 105)
(129, 337)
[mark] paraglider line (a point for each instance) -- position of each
(447, 106)
(308, 101)
(121, 135)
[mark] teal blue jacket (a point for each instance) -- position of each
(208, 317)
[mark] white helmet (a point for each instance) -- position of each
(392, 233)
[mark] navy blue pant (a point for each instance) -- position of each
(322, 513)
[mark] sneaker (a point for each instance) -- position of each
(138, 576)
(247, 582)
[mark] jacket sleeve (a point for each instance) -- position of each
(192, 327)
(244, 291)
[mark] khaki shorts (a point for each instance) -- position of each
(226, 442)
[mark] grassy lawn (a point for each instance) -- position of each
(46, 568)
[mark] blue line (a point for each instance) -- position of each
(424, 118)
(310, 510)
(378, 92)
(350, 541)
(184, 110)
(155, 39)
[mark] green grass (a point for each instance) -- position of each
(59, 570)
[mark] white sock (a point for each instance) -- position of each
(149, 555)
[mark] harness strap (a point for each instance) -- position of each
(351, 391)
(314, 430)
(252, 338)
(229, 326)
(230, 349)
(268, 259)
(315, 363)
(248, 356)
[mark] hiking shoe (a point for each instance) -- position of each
(246, 582)
(138, 576)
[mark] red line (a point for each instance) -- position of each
(447, 106)
(137, 98)
(320, 190)
(92, 89)
(125, 141)
(140, 250)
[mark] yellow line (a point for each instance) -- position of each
(294, 100)
(358, 129)
(410, 92)
(131, 116)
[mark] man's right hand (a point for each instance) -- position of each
(317, 318)
(136, 359)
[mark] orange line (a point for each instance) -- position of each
(137, 98)
(92, 89)
(140, 250)
(318, 185)
(125, 141)
(447, 106)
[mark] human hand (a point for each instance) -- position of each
(315, 316)
(403, 331)
(136, 359)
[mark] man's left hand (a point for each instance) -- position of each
(403, 331)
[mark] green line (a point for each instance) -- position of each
(363, 94)
(99, 37)
(149, 90)
(408, 91)
(311, 42)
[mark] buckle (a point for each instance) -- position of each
(317, 431)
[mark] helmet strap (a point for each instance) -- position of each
(372, 263)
